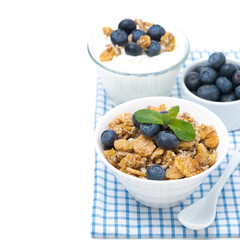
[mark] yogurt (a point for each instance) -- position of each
(143, 63)
(128, 77)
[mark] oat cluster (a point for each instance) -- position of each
(133, 153)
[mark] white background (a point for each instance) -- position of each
(47, 101)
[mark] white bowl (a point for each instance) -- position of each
(122, 85)
(163, 194)
(228, 112)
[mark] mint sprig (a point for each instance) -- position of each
(183, 130)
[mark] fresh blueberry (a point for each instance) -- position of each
(208, 92)
(119, 37)
(149, 130)
(236, 78)
(199, 68)
(163, 112)
(216, 60)
(156, 32)
(155, 172)
(237, 92)
(227, 97)
(108, 137)
(237, 67)
(153, 49)
(208, 75)
(133, 49)
(224, 85)
(135, 121)
(136, 34)
(127, 25)
(192, 81)
(227, 70)
(167, 140)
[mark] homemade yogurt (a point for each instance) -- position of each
(143, 63)
(128, 77)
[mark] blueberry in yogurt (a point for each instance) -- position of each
(127, 25)
(119, 37)
(133, 49)
(153, 49)
(136, 34)
(156, 32)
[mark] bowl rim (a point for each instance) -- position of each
(187, 70)
(140, 74)
(165, 182)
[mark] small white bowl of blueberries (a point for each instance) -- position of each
(215, 83)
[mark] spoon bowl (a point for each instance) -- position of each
(202, 213)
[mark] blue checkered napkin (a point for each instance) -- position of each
(115, 213)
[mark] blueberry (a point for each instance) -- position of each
(237, 67)
(228, 97)
(227, 70)
(224, 85)
(136, 34)
(236, 78)
(156, 32)
(208, 92)
(133, 49)
(208, 75)
(167, 140)
(192, 81)
(237, 92)
(135, 121)
(153, 49)
(127, 25)
(119, 37)
(155, 172)
(216, 60)
(108, 137)
(163, 112)
(199, 67)
(149, 130)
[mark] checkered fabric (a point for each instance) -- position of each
(115, 213)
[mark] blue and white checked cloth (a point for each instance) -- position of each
(116, 214)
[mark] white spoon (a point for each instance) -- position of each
(201, 214)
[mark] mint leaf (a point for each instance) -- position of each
(149, 116)
(174, 111)
(183, 130)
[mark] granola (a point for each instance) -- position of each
(133, 153)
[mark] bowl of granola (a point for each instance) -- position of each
(161, 148)
(138, 59)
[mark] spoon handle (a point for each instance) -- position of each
(233, 163)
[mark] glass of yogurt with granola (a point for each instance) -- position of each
(137, 58)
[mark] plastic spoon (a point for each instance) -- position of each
(202, 213)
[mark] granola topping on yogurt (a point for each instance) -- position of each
(137, 46)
